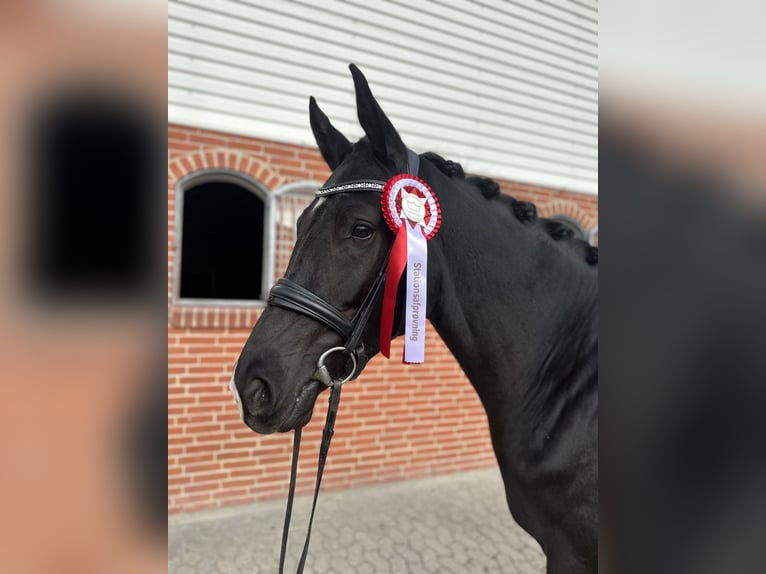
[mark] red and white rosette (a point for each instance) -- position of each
(412, 212)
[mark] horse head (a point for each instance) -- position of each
(342, 243)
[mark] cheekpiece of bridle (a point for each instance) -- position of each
(293, 297)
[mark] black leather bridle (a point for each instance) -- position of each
(289, 295)
(293, 297)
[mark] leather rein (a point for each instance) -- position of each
(293, 297)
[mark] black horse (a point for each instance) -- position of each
(513, 296)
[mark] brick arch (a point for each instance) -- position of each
(568, 208)
(197, 162)
(223, 158)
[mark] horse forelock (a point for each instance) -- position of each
(523, 211)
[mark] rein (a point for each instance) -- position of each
(293, 297)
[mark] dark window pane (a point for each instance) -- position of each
(222, 246)
(94, 208)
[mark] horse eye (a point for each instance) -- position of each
(362, 231)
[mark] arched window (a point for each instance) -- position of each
(289, 203)
(593, 235)
(90, 233)
(222, 244)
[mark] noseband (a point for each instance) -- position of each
(289, 295)
(293, 297)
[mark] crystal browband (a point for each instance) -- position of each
(359, 185)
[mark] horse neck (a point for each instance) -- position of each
(516, 310)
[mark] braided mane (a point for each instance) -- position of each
(524, 211)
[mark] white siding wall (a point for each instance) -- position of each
(507, 88)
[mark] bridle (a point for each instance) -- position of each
(293, 297)
(289, 295)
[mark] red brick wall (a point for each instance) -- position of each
(395, 422)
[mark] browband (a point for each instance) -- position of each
(413, 161)
(358, 185)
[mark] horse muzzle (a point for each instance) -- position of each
(262, 411)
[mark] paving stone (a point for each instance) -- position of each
(456, 523)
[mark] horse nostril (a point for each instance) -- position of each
(260, 398)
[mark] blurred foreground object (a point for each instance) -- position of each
(82, 246)
(683, 277)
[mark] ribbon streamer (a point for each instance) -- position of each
(413, 214)
(396, 263)
(417, 288)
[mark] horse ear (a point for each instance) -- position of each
(385, 141)
(332, 144)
